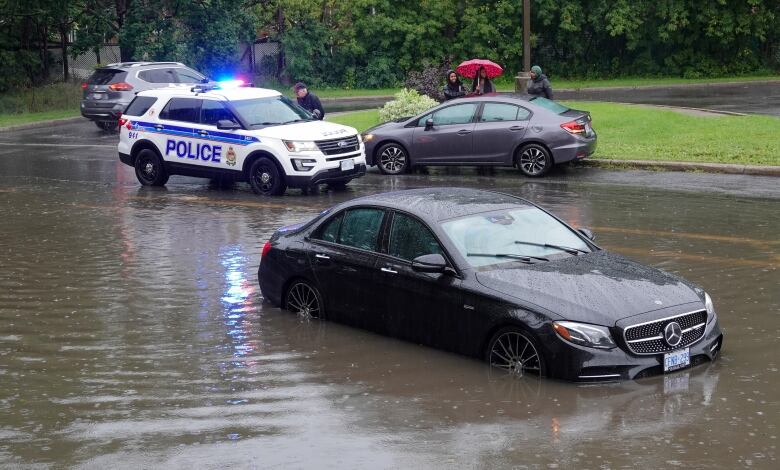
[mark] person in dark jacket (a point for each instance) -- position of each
(309, 101)
(482, 83)
(454, 88)
(539, 85)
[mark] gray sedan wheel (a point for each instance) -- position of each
(392, 159)
(534, 160)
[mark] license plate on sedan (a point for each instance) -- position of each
(347, 164)
(97, 96)
(677, 359)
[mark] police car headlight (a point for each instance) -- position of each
(303, 164)
(300, 146)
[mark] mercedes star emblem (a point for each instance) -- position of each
(673, 334)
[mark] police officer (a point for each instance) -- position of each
(309, 101)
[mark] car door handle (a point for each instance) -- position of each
(203, 133)
(464, 132)
(319, 256)
(517, 128)
(159, 127)
(388, 270)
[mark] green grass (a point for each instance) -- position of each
(507, 84)
(629, 132)
(638, 81)
(7, 120)
(54, 97)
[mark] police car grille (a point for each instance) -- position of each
(647, 338)
(335, 146)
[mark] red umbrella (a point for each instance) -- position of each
(469, 68)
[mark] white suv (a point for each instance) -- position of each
(242, 134)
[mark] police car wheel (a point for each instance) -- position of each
(265, 178)
(149, 169)
(392, 159)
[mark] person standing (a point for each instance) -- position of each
(482, 83)
(454, 88)
(309, 101)
(539, 85)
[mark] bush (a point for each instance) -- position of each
(428, 81)
(406, 103)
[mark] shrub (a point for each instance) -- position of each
(406, 103)
(429, 80)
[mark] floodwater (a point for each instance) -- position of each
(133, 333)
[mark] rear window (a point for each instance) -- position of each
(140, 105)
(158, 76)
(106, 77)
(550, 105)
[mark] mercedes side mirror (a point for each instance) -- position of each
(429, 124)
(227, 125)
(434, 263)
(588, 233)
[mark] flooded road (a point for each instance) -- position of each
(133, 333)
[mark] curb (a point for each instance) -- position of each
(755, 170)
(39, 124)
(670, 85)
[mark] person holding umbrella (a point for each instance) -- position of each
(482, 84)
(539, 85)
(482, 71)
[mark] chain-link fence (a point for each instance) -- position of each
(81, 66)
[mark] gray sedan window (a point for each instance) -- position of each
(496, 112)
(458, 114)
(409, 238)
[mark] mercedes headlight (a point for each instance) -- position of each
(582, 334)
(367, 137)
(711, 315)
(300, 146)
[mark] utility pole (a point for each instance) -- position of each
(521, 80)
(526, 36)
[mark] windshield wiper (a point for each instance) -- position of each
(295, 120)
(567, 249)
(523, 258)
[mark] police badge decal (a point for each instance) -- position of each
(230, 156)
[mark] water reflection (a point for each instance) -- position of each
(237, 302)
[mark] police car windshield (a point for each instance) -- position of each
(270, 111)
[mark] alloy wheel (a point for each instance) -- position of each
(513, 352)
(393, 160)
(533, 161)
(303, 300)
(264, 178)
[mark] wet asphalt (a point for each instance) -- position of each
(133, 333)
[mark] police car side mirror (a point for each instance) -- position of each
(227, 125)
(317, 114)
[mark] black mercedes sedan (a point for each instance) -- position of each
(491, 276)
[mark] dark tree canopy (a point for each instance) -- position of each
(373, 43)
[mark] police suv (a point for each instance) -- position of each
(239, 133)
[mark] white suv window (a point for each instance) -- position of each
(182, 109)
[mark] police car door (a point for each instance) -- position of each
(174, 133)
(219, 148)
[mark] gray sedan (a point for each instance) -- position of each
(530, 133)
